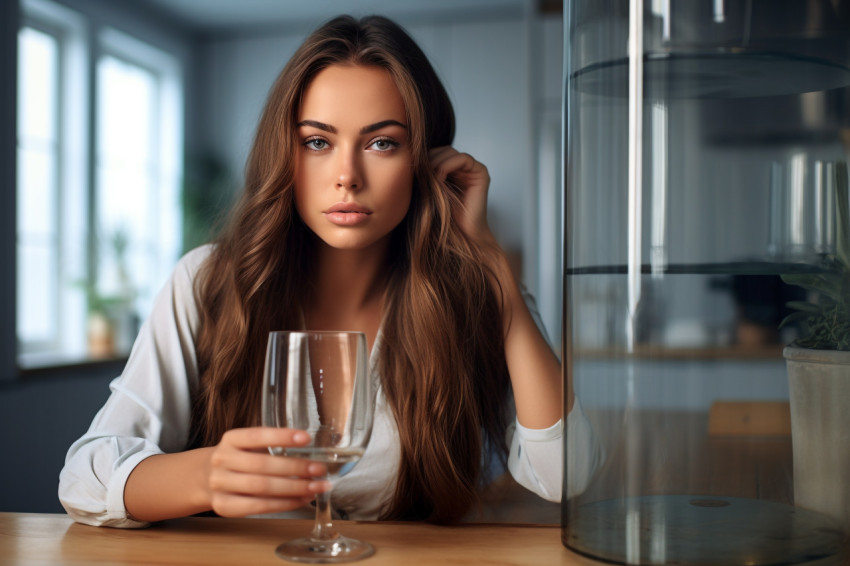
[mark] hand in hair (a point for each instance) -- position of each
(244, 479)
(534, 369)
(472, 180)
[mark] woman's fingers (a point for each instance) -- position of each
(244, 478)
(447, 161)
(236, 494)
(257, 462)
(225, 481)
(236, 505)
(261, 437)
(247, 450)
(473, 180)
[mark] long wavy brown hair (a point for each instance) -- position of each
(441, 361)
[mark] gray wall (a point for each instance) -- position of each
(40, 416)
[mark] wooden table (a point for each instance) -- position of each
(514, 527)
(42, 539)
(31, 539)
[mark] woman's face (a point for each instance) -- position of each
(353, 166)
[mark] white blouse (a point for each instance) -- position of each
(148, 413)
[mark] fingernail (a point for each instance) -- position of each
(315, 469)
(301, 436)
(319, 486)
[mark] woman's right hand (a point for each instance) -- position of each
(244, 479)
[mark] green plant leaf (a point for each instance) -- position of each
(806, 308)
(825, 319)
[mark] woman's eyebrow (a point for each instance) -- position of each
(364, 130)
(320, 125)
(378, 125)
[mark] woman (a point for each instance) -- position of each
(357, 215)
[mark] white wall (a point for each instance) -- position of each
(545, 226)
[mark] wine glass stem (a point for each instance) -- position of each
(324, 529)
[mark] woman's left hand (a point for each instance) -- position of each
(473, 181)
(534, 369)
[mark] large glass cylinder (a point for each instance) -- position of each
(706, 179)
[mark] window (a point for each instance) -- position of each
(38, 167)
(98, 184)
(137, 176)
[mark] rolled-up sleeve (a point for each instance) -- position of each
(536, 457)
(148, 411)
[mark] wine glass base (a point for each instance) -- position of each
(313, 551)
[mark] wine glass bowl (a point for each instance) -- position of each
(319, 382)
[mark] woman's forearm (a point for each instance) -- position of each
(167, 486)
(535, 370)
(235, 478)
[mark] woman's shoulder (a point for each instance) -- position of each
(186, 270)
(190, 263)
(194, 258)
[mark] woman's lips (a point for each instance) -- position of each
(347, 214)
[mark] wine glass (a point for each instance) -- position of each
(319, 382)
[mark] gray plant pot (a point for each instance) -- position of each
(819, 382)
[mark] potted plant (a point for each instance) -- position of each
(112, 322)
(818, 365)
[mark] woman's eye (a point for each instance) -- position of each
(383, 145)
(316, 144)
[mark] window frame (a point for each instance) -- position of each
(83, 41)
(71, 32)
(9, 24)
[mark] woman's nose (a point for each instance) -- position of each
(349, 175)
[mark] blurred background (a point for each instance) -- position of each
(124, 128)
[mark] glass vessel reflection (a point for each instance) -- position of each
(705, 158)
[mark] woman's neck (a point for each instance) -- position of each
(348, 291)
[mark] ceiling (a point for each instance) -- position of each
(224, 15)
